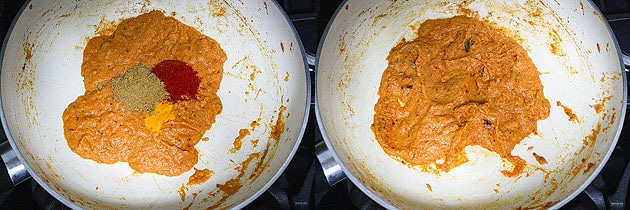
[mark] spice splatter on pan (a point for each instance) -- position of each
(149, 119)
(460, 83)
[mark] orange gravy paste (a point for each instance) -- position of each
(100, 128)
(461, 82)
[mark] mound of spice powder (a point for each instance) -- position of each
(139, 89)
(163, 113)
(180, 80)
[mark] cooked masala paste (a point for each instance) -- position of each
(461, 82)
(150, 95)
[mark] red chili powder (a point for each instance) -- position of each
(180, 80)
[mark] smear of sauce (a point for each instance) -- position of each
(182, 192)
(569, 112)
(540, 159)
(200, 176)
(105, 28)
(28, 50)
(266, 8)
(590, 139)
(599, 50)
(599, 107)
(254, 142)
(191, 203)
(238, 142)
(589, 166)
(233, 185)
(219, 11)
(278, 127)
(554, 46)
(254, 124)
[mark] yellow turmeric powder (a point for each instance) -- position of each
(163, 113)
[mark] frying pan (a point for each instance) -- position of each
(569, 42)
(265, 70)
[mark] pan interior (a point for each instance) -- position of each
(264, 74)
(571, 46)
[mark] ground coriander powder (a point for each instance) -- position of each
(139, 89)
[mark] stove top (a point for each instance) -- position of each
(303, 184)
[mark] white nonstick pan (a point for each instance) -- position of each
(265, 71)
(569, 42)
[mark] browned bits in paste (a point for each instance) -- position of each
(98, 127)
(461, 82)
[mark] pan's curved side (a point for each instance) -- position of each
(292, 72)
(17, 85)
